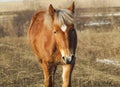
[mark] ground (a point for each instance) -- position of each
(19, 67)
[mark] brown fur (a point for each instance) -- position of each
(49, 42)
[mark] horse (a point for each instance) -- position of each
(53, 39)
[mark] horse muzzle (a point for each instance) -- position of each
(68, 60)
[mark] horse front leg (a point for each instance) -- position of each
(66, 75)
(47, 75)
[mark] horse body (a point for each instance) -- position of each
(42, 40)
(53, 39)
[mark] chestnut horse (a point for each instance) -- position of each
(53, 40)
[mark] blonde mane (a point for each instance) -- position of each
(61, 16)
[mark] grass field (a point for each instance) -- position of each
(19, 68)
(31, 4)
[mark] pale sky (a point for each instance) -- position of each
(9, 0)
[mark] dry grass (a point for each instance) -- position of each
(12, 6)
(19, 67)
(31, 4)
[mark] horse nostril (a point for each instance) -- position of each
(72, 56)
(63, 58)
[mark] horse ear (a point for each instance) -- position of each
(51, 11)
(72, 7)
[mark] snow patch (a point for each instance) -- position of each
(108, 61)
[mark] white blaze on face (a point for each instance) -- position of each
(64, 27)
(63, 53)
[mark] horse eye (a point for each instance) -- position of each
(55, 32)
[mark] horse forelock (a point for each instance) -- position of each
(61, 16)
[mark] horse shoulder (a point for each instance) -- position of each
(35, 29)
(36, 19)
